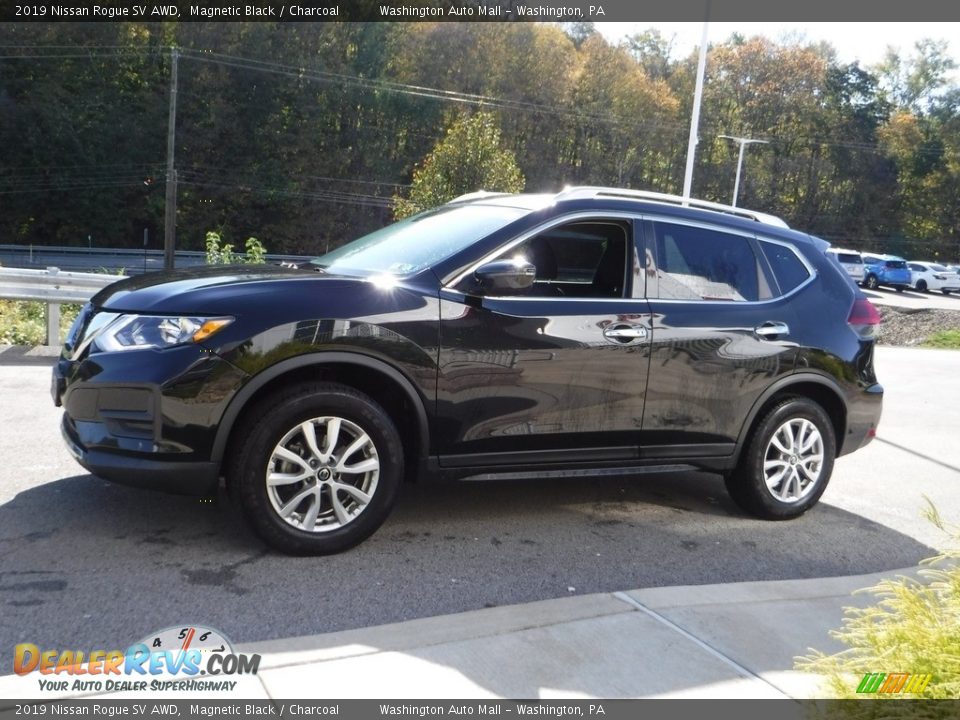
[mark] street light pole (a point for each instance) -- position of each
(743, 144)
(695, 115)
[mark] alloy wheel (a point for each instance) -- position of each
(322, 474)
(793, 460)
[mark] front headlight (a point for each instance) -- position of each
(138, 332)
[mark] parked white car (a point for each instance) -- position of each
(926, 276)
(851, 261)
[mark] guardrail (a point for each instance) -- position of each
(54, 288)
(129, 261)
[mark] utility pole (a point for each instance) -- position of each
(170, 214)
(695, 116)
(743, 144)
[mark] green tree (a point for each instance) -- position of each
(470, 157)
(652, 52)
(913, 81)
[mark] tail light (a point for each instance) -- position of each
(864, 318)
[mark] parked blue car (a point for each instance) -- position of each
(888, 270)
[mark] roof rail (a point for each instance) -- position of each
(478, 195)
(575, 193)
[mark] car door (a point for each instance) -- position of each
(554, 374)
(721, 335)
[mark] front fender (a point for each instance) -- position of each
(319, 359)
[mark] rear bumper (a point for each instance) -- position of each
(863, 417)
(894, 280)
(182, 478)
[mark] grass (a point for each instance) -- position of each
(913, 628)
(23, 322)
(944, 339)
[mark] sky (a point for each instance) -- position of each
(866, 41)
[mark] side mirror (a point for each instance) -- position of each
(505, 276)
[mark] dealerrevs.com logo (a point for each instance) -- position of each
(190, 658)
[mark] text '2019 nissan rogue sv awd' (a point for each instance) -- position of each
(595, 329)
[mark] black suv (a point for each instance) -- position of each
(595, 329)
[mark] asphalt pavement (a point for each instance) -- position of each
(913, 299)
(89, 564)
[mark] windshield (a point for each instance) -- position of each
(420, 241)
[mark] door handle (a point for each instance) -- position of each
(625, 333)
(770, 330)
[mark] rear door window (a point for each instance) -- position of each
(697, 263)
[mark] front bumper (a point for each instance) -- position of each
(146, 418)
(182, 478)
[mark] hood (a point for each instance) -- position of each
(205, 289)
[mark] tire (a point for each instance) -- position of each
(316, 490)
(921, 285)
(786, 423)
(946, 292)
(871, 282)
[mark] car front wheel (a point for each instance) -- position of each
(922, 285)
(317, 468)
(787, 462)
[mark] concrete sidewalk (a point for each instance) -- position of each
(736, 640)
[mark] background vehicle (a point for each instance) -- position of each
(933, 276)
(553, 334)
(888, 270)
(851, 261)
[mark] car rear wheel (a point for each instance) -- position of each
(317, 469)
(787, 462)
(922, 285)
(871, 282)
(900, 288)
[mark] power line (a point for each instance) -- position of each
(474, 99)
(302, 73)
(343, 198)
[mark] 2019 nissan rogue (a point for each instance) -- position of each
(561, 333)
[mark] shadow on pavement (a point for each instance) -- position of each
(88, 564)
(23, 355)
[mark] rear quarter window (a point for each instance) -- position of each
(850, 258)
(788, 269)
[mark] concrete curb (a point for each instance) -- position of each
(735, 640)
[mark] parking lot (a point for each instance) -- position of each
(89, 564)
(913, 299)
